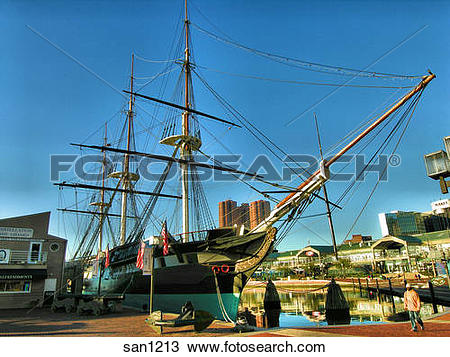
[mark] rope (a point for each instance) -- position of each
(249, 126)
(300, 82)
(311, 66)
(156, 61)
(414, 106)
(221, 304)
(263, 284)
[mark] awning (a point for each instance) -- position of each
(22, 274)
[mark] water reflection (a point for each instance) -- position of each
(308, 308)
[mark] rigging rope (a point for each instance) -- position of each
(156, 61)
(301, 82)
(414, 103)
(247, 124)
(310, 66)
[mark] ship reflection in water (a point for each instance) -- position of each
(308, 309)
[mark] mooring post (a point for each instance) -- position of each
(433, 298)
(360, 289)
(353, 284)
(367, 286)
(391, 292)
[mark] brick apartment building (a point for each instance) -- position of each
(31, 261)
(246, 214)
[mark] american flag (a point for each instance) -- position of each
(107, 257)
(140, 257)
(165, 236)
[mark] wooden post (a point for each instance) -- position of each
(367, 286)
(360, 290)
(433, 298)
(353, 284)
(152, 250)
(391, 292)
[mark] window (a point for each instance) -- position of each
(35, 252)
(15, 286)
(54, 247)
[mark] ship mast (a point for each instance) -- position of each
(126, 176)
(102, 193)
(185, 149)
(325, 195)
(101, 205)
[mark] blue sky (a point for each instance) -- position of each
(50, 101)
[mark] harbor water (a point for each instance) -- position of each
(303, 308)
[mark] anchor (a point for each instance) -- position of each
(189, 316)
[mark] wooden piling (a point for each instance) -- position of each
(353, 284)
(433, 298)
(391, 292)
(360, 289)
(367, 286)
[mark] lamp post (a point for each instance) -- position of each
(437, 165)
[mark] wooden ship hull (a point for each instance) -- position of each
(211, 279)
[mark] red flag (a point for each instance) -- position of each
(107, 257)
(140, 257)
(165, 236)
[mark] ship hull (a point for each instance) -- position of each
(211, 280)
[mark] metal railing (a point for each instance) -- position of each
(26, 257)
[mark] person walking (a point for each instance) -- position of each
(412, 305)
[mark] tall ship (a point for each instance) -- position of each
(195, 260)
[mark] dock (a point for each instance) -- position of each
(129, 323)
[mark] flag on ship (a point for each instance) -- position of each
(165, 236)
(107, 256)
(140, 257)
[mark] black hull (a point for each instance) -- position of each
(187, 273)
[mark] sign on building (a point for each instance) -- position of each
(15, 232)
(4, 256)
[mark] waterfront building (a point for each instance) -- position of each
(357, 238)
(401, 223)
(396, 254)
(315, 254)
(258, 211)
(285, 259)
(358, 254)
(249, 215)
(389, 254)
(226, 209)
(408, 223)
(241, 215)
(31, 261)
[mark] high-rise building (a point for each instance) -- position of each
(226, 209)
(258, 211)
(241, 215)
(398, 223)
(403, 223)
(249, 215)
